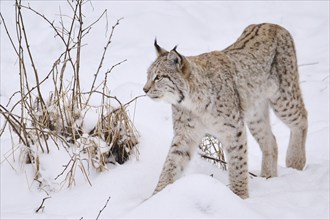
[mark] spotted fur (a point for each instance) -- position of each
(222, 91)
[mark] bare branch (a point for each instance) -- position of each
(9, 36)
(46, 19)
(103, 208)
(137, 97)
(308, 64)
(20, 20)
(42, 207)
(213, 158)
(15, 124)
(103, 56)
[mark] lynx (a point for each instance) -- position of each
(219, 92)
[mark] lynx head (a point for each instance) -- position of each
(167, 76)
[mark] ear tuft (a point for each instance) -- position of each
(160, 51)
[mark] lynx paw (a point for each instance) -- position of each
(296, 160)
(296, 163)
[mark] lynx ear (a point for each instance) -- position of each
(175, 57)
(180, 61)
(160, 51)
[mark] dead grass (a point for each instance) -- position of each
(58, 118)
(213, 151)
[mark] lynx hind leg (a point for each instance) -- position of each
(258, 123)
(288, 103)
(292, 112)
(236, 152)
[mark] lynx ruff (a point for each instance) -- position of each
(219, 92)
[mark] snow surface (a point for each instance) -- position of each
(196, 27)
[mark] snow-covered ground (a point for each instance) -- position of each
(196, 26)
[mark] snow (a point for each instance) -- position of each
(196, 27)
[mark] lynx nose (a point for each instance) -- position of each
(146, 89)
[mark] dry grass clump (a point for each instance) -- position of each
(213, 151)
(60, 116)
(58, 119)
(119, 133)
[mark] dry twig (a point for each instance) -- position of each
(42, 207)
(105, 205)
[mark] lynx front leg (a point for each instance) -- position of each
(177, 159)
(187, 134)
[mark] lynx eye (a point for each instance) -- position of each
(158, 77)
